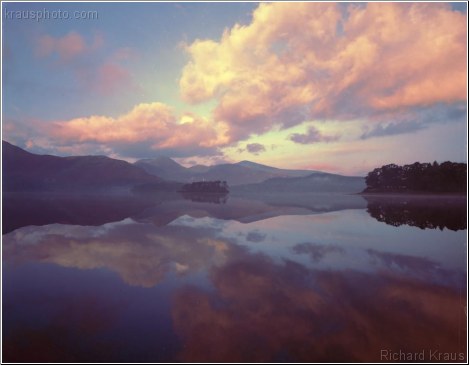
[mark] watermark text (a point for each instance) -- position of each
(424, 355)
(46, 14)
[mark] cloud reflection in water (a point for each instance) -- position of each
(289, 288)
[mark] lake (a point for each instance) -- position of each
(308, 278)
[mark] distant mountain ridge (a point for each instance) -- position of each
(25, 171)
(240, 173)
(290, 173)
(318, 182)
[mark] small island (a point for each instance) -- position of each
(418, 178)
(206, 191)
(210, 187)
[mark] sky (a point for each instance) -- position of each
(338, 87)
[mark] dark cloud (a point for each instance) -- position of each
(255, 236)
(393, 129)
(316, 251)
(255, 148)
(313, 135)
(404, 262)
(145, 149)
(417, 267)
(417, 119)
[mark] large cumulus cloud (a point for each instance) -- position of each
(300, 61)
(153, 123)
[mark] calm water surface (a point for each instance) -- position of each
(318, 278)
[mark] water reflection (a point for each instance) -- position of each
(241, 281)
(263, 311)
(317, 252)
(71, 328)
(215, 198)
(139, 253)
(25, 209)
(21, 210)
(423, 212)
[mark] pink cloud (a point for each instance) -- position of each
(67, 47)
(104, 75)
(300, 61)
(124, 54)
(110, 77)
(420, 53)
(45, 46)
(152, 123)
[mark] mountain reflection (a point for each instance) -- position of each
(423, 212)
(21, 210)
(25, 209)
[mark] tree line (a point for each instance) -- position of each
(447, 177)
(206, 187)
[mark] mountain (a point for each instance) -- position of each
(160, 166)
(25, 171)
(274, 170)
(244, 172)
(318, 182)
(236, 174)
(199, 168)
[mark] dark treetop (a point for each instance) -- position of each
(448, 177)
(206, 187)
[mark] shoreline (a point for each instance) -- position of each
(412, 194)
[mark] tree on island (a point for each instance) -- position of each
(448, 177)
(220, 187)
